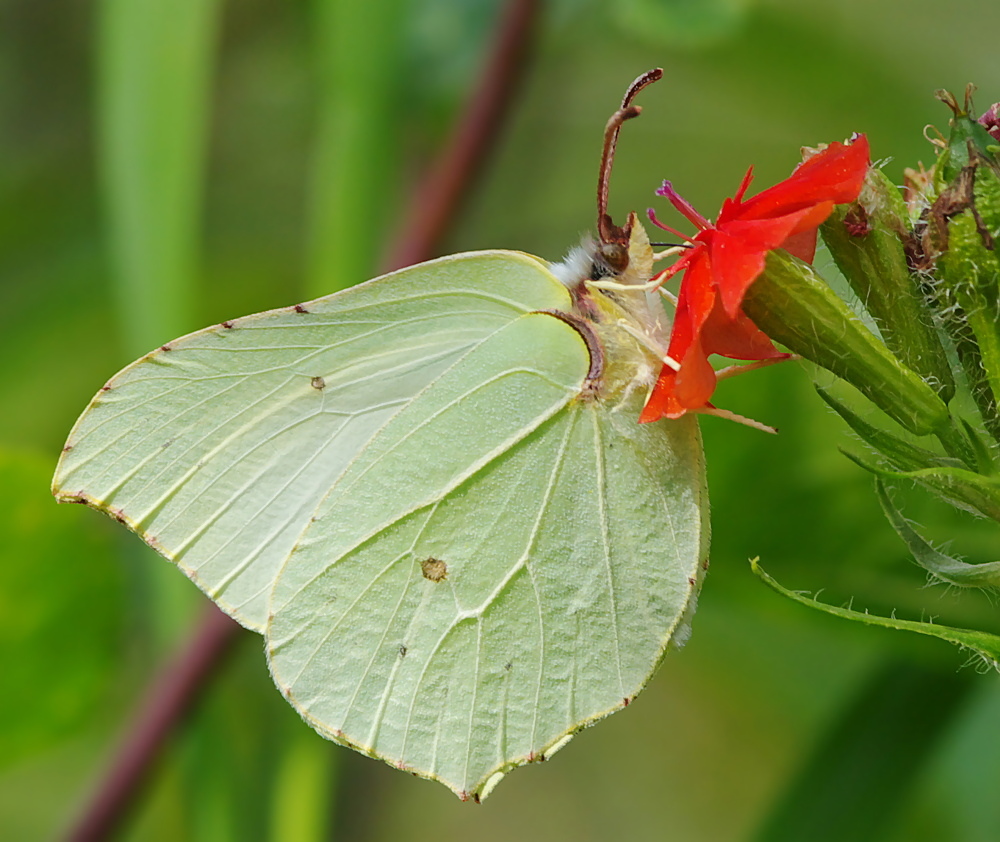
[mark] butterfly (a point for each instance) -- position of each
(429, 493)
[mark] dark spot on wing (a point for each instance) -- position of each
(434, 569)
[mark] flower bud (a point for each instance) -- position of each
(792, 304)
(963, 230)
(967, 137)
(991, 121)
(865, 240)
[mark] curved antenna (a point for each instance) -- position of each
(606, 229)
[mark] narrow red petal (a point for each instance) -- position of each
(833, 175)
(694, 302)
(677, 392)
(695, 381)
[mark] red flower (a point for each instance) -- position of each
(726, 258)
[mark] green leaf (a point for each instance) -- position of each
(940, 566)
(898, 451)
(460, 544)
(61, 604)
(963, 489)
(982, 644)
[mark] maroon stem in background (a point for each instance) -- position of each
(438, 198)
(174, 691)
(181, 682)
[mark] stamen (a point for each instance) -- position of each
(733, 370)
(683, 206)
(739, 419)
(670, 252)
(666, 293)
(614, 286)
(652, 218)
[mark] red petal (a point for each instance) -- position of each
(738, 339)
(695, 382)
(694, 302)
(739, 249)
(833, 175)
(802, 245)
(677, 392)
(661, 402)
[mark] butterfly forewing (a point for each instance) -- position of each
(218, 447)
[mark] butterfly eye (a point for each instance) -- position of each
(612, 257)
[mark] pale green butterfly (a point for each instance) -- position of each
(429, 493)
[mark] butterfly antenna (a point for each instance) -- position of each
(606, 229)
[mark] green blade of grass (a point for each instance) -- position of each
(153, 86)
(359, 58)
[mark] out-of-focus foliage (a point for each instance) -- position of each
(720, 736)
(61, 613)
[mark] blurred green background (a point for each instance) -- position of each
(166, 164)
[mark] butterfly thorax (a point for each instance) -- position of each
(629, 321)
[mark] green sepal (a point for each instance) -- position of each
(985, 463)
(941, 566)
(965, 131)
(793, 305)
(954, 437)
(963, 489)
(983, 644)
(864, 239)
(899, 452)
